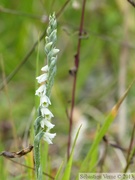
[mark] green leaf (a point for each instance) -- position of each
(59, 171)
(67, 172)
(94, 157)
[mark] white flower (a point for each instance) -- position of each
(46, 113)
(44, 101)
(48, 137)
(42, 78)
(46, 82)
(48, 47)
(41, 90)
(47, 123)
(45, 68)
(54, 51)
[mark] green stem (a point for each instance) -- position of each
(38, 168)
(37, 161)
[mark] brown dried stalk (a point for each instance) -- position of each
(131, 2)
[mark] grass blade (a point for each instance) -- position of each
(67, 172)
(108, 121)
(59, 171)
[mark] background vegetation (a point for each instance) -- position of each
(106, 69)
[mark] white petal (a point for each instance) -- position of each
(44, 101)
(42, 78)
(48, 137)
(42, 124)
(45, 68)
(46, 113)
(48, 47)
(41, 90)
(47, 140)
(45, 122)
(54, 51)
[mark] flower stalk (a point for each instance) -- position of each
(43, 125)
(76, 63)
